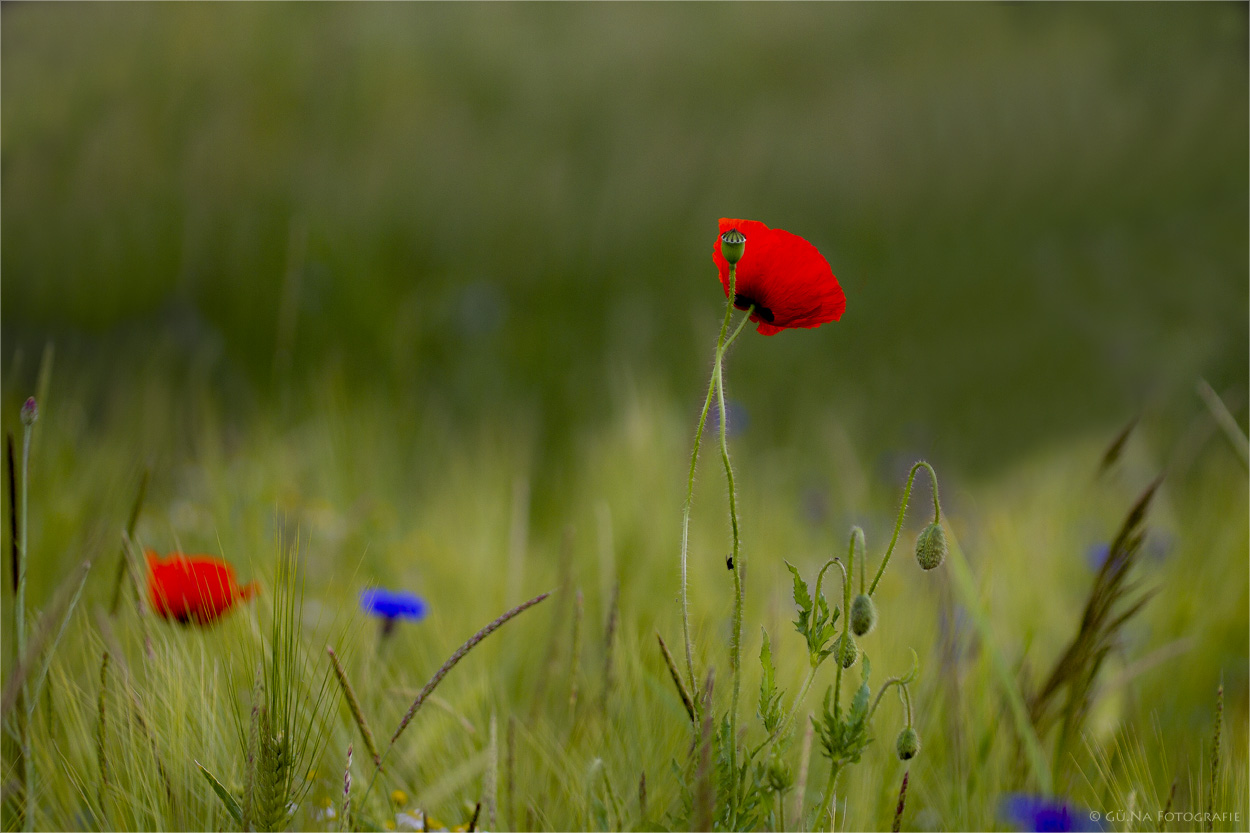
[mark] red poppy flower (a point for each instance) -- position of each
(783, 276)
(195, 588)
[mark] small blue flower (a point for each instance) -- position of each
(1097, 554)
(1041, 815)
(387, 604)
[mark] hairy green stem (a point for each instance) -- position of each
(685, 528)
(902, 510)
(735, 645)
(794, 709)
(825, 803)
(856, 532)
(721, 346)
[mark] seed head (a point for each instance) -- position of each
(931, 547)
(732, 245)
(908, 744)
(863, 615)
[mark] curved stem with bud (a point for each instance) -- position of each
(902, 510)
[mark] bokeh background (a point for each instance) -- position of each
(1038, 214)
(430, 286)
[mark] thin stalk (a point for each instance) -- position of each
(721, 345)
(794, 709)
(902, 801)
(846, 627)
(735, 644)
(685, 531)
(902, 510)
(1226, 421)
(856, 532)
(827, 801)
(130, 534)
(805, 760)
(442, 672)
(19, 610)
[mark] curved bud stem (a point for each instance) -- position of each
(902, 510)
(846, 627)
(857, 532)
(902, 682)
(905, 696)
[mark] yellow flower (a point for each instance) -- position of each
(399, 797)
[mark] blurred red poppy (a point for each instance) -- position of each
(193, 588)
(789, 283)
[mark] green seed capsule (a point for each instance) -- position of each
(732, 244)
(908, 744)
(863, 615)
(931, 547)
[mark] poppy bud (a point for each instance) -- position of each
(777, 775)
(732, 245)
(863, 615)
(846, 650)
(908, 744)
(30, 412)
(931, 547)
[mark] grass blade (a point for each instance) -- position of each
(62, 607)
(226, 798)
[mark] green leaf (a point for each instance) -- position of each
(859, 705)
(801, 596)
(226, 798)
(770, 697)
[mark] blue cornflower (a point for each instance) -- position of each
(1097, 554)
(1039, 814)
(393, 604)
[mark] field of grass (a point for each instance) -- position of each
(421, 297)
(367, 495)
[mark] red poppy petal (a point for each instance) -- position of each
(783, 276)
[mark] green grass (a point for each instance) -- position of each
(373, 497)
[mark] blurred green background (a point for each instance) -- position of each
(505, 213)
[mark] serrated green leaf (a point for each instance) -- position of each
(770, 697)
(801, 597)
(859, 705)
(226, 798)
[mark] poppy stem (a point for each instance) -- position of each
(685, 541)
(721, 347)
(736, 643)
(902, 510)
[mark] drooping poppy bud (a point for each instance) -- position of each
(846, 650)
(931, 547)
(908, 744)
(863, 615)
